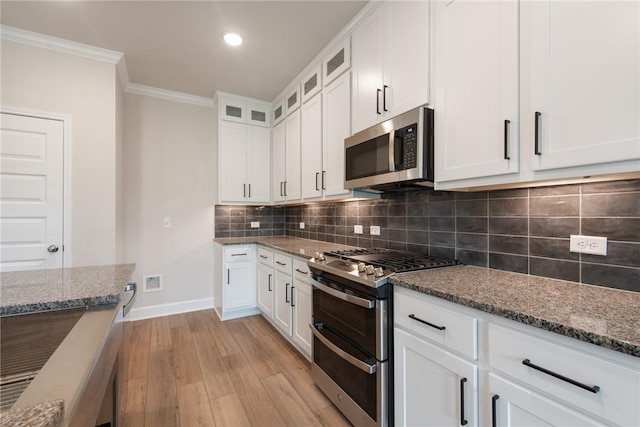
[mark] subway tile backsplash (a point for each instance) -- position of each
(522, 230)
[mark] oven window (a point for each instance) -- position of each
(355, 323)
(359, 385)
(368, 158)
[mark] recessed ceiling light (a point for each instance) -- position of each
(232, 38)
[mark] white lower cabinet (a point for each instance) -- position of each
(291, 312)
(516, 406)
(522, 376)
(235, 281)
(265, 283)
(432, 387)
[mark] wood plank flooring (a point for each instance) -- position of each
(194, 370)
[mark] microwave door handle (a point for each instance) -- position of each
(398, 151)
(392, 151)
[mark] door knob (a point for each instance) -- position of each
(52, 248)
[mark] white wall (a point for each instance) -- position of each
(169, 171)
(85, 89)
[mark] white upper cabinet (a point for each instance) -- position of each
(390, 62)
(336, 126)
(312, 83)
(278, 111)
(337, 62)
(311, 148)
(258, 114)
(572, 69)
(243, 110)
(584, 87)
(292, 188)
(279, 172)
(293, 99)
(476, 99)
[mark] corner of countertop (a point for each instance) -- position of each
(46, 414)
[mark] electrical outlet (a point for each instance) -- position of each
(358, 229)
(374, 230)
(255, 224)
(588, 245)
(302, 226)
(167, 223)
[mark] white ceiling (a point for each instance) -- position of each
(177, 45)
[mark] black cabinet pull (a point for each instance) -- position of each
(378, 101)
(281, 195)
(494, 420)
(440, 328)
(324, 179)
(292, 303)
(228, 276)
(300, 271)
(264, 256)
(506, 140)
(244, 190)
(463, 421)
(286, 293)
(591, 388)
(281, 263)
(384, 97)
(240, 254)
(249, 190)
(317, 176)
(536, 132)
(285, 189)
(270, 282)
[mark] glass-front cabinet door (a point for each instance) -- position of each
(337, 62)
(312, 84)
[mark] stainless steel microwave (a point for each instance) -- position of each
(394, 155)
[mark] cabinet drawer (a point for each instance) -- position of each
(301, 270)
(416, 312)
(265, 257)
(238, 254)
(617, 392)
(283, 263)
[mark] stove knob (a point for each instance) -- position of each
(369, 269)
(361, 267)
(320, 256)
(379, 272)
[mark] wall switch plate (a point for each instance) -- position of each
(374, 230)
(358, 229)
(167, 223)
(302, 225)
(588, 245)
(255, 224)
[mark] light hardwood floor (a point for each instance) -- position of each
(194, 370)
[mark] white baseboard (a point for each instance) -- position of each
(168, 309)
(236, 314)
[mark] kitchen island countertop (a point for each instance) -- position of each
(24, 292)
(602, 316)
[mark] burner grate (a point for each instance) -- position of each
(395, 261)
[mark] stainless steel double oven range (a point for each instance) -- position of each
(353, 328)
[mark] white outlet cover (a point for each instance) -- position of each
(302, 225)
(167, 222)
(358, 229)
(255, 224)
(593, 245)
(374, 230)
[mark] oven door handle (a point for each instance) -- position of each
(369, 369)
(362, 302)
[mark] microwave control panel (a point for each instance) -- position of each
(408, 146)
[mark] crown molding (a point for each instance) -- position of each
(61, 45)
(169, 95)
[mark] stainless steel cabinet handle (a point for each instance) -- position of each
(369, 369)
(345, 297)
(53, 248)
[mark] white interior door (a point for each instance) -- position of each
(31, 193)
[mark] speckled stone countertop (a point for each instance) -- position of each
(40, 290)
(606, 317)
(47, 414)
(291, 245)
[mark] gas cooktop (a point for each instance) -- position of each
(373, 266)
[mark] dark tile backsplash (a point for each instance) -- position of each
(522, 230)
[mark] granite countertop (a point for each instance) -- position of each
(291, 245)
(47, 414)
(606, 317)
(40, 290)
